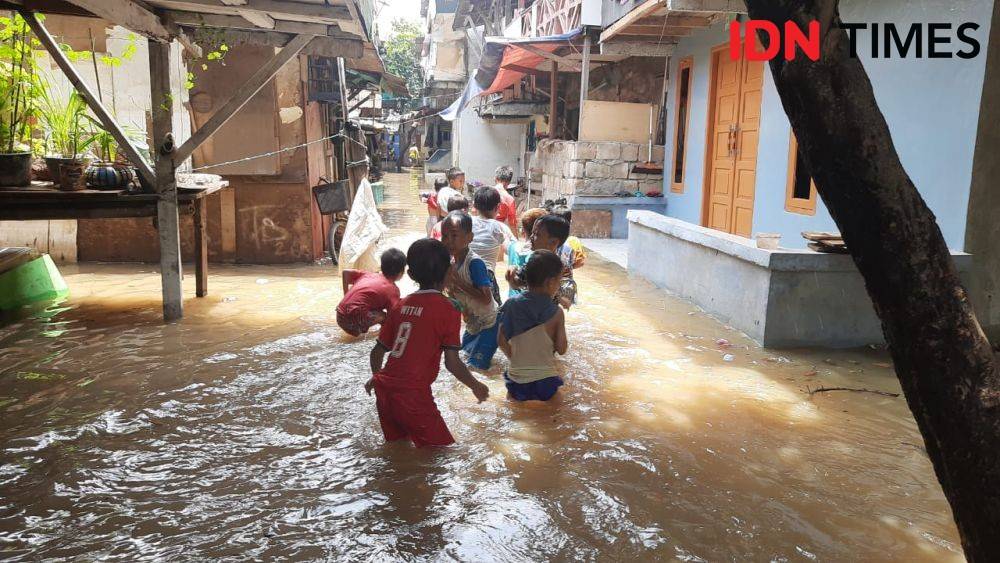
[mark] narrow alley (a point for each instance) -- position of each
(245, 432)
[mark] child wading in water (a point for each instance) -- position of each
(550, 233)
(416, 332)
(456, 203)
(518, 251)
(368, 297)
(433, 206)
(532, 329)
(469, 283)
(489, 236)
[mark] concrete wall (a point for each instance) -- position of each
(568, 168)
(481, 145)
(784, 298)
(930, 105)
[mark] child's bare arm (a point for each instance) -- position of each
(347, 278)
(458, 368)
(561, 342)
(503, 342)
(375, 362)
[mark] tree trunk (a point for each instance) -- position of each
(942, 357)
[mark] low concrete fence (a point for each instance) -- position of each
(779, 298)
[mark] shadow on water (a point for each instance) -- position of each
(245, 432)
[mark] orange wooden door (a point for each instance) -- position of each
(735, 128)
(722, 166)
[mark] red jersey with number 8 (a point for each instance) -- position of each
(418, 328)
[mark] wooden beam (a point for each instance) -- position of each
(277, 9)
(677, 21)
(360, 103)
(553, 100)
(333, 47)
(526, 70)
(259, 19)
(241, 96)
(569, 63)
(192, 19)
(638, 48)
(167, 220)
(731, 6)
(637, 13)
(127, 13)
(103, 115)
(656, 31)
(138, 19)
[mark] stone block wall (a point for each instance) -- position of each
(595, 168)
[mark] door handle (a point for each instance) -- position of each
(731, 142)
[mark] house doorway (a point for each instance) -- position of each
(733, 133)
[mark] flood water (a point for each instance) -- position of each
(244, 432)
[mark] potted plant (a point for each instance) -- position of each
(68, 134)
(110, 172)
(20, 87)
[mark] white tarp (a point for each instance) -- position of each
(364, 230)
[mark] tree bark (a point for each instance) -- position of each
(942, 358)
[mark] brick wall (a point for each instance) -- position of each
(568, 168)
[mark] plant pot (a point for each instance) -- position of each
(15, 169)
(72, 177)
(109, 176)
(54, 164)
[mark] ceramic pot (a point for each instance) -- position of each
(109, 176)
(15, 169)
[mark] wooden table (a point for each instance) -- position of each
(42, 200)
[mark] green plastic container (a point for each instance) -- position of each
(38, 280)
(378, 190)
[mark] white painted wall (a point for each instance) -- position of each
(481, 145)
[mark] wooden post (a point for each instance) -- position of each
(584, 80)
(553, 100)
(342, 78)
(201, 246)
(166, 183)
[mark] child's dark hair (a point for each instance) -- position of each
(555, 225)
(459, 219)
(428, 261)
(453, 173)
(542, 266)
(486, 199)
(564, 212)
(440, 183)
(457, 203)
(393, 262)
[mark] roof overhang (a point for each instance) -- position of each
(664, 22)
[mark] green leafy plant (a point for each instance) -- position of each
(68, 130)
(20, 84)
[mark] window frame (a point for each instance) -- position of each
(798, 205)
(682, 64)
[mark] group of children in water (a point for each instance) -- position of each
(455, 269)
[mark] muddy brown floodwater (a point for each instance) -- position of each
(244, 432)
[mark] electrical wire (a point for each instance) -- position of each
(286, 149)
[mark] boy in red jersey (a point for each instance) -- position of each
(418, 329)
(368, 296)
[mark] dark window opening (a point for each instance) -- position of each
(682, 111)
(802, 188)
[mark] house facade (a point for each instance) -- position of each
(931, 106)
(733, 171)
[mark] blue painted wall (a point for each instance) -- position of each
(931, 106)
